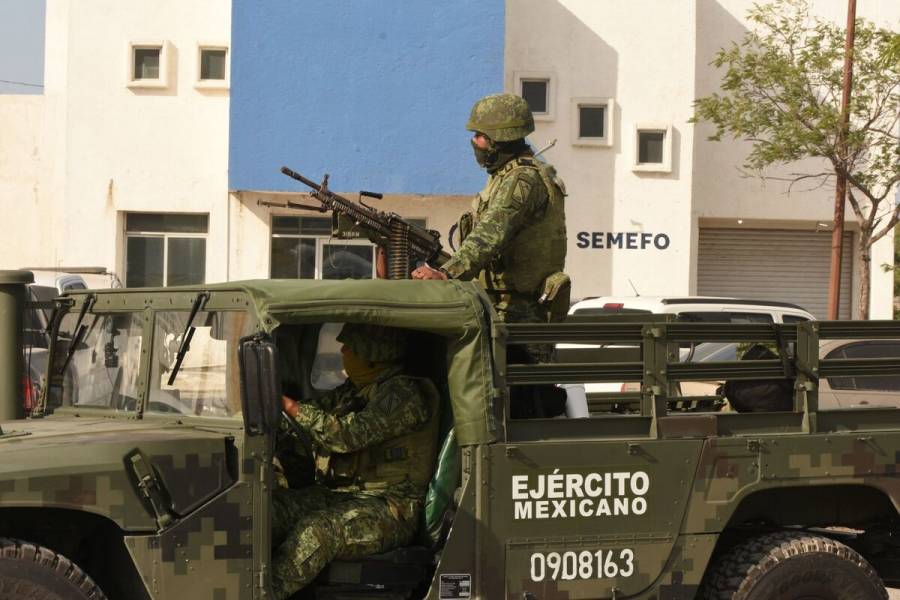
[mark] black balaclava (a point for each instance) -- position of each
(498, 154)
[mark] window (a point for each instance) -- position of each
(303, 248)
(653, 148)
(592, 121)
(103, 368)
(163, 249)
(535, 94)
(538, 90)
(725, 317)
(212, 67)
(206, 381)
(147, 65)
(878, 383)
(794, 319)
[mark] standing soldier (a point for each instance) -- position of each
(516, 243)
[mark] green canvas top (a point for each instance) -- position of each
(458, 311)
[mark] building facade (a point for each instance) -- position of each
(155, 150)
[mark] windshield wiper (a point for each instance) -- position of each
(188, 333)
(80, 329)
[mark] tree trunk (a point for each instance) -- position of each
(865, 277)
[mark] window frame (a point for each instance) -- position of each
(212, 84)
(550, 78)
(841, 352)
(650, 127)
(321, 240)
(162, 82)
(165, 235)
(609, 105)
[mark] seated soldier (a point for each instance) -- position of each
(374, 438)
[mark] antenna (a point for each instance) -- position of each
(636, 293)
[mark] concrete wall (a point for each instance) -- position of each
(640, 53)
(131, 149)
(25, 197)
(375, 93)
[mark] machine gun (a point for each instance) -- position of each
(406, 243)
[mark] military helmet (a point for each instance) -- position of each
(374, 342)
(501, 117)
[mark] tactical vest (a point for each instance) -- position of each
(410, 457)
(539, 249)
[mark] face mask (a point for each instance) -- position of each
(360, 371)
(486, 157)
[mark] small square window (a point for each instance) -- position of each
(591, 121)
(212, 66)
(650, 147)
(212, 63)
(535, 94)
(146, 63)
(653, 148)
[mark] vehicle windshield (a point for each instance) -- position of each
(207, 382)
(102, 368)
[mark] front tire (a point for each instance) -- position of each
(793, 566)
(37, 573)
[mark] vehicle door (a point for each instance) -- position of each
(863, 392)
(214, 528)
(580, 517)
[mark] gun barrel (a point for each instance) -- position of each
(295, 175)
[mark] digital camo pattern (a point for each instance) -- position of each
(86, 468)
(316, 525)
(207, 556)
(502, 117)
(374, 343)
(732, 469)
(512, 199)
(347, 420)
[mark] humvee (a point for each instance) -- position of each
(147, 469)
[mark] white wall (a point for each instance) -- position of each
(641, 54)
(25, 197)
(654, 59)
(111, 148)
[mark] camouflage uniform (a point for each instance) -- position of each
(375, 449)
(518, 237)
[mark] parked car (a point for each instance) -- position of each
(590, 397)
(834, 392)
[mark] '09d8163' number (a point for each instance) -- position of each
(582, 565)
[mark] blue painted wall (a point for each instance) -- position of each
(374, 92)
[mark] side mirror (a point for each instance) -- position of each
(260, 384)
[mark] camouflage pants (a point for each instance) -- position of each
(313, 526)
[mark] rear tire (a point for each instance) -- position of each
(792, 566)
(37, 573)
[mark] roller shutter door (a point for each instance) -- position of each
(769, 264)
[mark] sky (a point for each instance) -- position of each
(21, 46)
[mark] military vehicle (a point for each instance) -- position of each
(146, 472)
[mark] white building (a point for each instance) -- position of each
(151, 148)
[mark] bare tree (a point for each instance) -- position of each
(782, 91)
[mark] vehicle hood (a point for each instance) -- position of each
(86, 464)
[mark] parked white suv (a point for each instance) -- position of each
(695, 308)
(698, 309)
